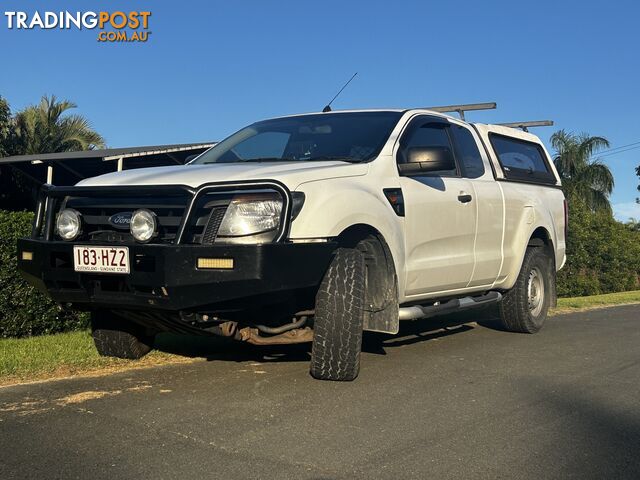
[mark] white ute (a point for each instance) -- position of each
(310, 227)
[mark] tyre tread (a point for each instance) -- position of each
(339, 317)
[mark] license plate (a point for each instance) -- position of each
(101, 259)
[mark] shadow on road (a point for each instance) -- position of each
(417, 331)
(411, 332)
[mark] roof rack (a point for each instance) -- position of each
(465, 107)
(525, 125)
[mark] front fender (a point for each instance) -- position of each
(330, 209)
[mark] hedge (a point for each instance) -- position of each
(603, 255)
(24, 311)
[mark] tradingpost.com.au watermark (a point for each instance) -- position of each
(113, 26)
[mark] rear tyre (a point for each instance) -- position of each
(339, 318)
(116, 337)
(524, 308)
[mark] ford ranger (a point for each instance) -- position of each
(309, 228)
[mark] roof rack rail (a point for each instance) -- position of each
(526, 125)
(465, 107)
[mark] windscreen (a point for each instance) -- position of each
(350, 137)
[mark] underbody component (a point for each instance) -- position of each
(251, 335)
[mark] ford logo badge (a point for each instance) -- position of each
(121, 220)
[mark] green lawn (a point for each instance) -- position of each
(64, 354)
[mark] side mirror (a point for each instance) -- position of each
(427, 159)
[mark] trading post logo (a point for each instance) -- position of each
(113, 26)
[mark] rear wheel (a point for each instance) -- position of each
(339, 318)
(524, 308)
(116, 337)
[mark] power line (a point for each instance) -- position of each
(620, 147)
(609, 153)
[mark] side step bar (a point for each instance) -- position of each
(455, 305)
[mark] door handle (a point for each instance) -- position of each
(464, 198)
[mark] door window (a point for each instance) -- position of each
(467, 152)
(426, 133)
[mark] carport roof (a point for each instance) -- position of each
(105, 154)
(67, 168)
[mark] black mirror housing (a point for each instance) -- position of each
(427, 159)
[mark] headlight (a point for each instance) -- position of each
(143, 225)
(68, 224)
(251, 214)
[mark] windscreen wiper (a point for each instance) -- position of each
(268, 159)
(335, 159)
(279, 159)
(256, 160)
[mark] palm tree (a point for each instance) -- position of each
(633, 225)
(47, 128)
(583, 177)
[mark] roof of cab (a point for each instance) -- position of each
(500, 129)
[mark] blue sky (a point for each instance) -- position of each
(211, 67)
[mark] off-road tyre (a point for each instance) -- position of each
(114, 336)
(339, 317)
(516, 308)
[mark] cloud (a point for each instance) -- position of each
(625, 211)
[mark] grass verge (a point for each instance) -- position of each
(63, 355)
(573, 304)
(68, 354)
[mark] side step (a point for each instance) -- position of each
(455, 305)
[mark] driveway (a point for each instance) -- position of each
(444, 399)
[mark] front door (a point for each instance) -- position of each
(440, 216)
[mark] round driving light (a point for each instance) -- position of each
(143, 225)
(68, 224)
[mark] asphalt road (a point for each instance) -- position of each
(464, 402)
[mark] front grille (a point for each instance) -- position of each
(96, 212)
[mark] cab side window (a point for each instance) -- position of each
(522, 160)
(427, 134)
(467, 152)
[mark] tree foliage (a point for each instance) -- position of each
(5, 127)
(638, 174)
(48, 128)
(583, 178)
(633, 224)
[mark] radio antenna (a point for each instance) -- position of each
(328, 107)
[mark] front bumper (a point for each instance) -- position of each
(166, 277)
